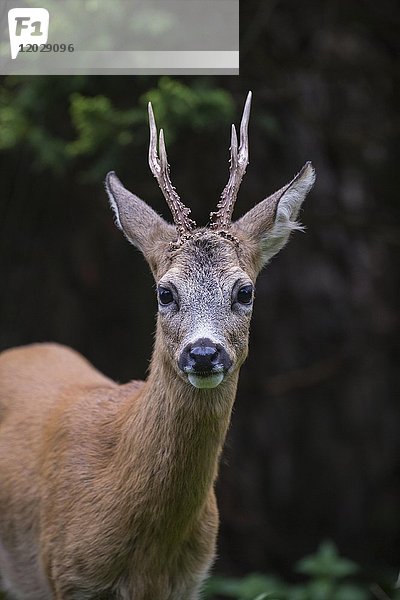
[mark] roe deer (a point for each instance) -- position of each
(106, 490)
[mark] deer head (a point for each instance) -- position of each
(205, 276)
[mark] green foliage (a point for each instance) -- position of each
(196, 107)
(252, 587)
(326, 564)
(97, 122)
(63, 120)
(32, 118)
(327, 579)
(13, 123)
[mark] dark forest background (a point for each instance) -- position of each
(314, 447)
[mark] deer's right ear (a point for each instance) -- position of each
(141, 225)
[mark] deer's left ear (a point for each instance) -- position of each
(268, 225)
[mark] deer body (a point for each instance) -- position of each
(106, 490)
(95, 509)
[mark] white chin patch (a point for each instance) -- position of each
(205, 382)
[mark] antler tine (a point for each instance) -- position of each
(244, 126)
(221, 220)
(160, 169)
(153, 158)
(234, 150)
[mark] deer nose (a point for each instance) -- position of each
(204, 356)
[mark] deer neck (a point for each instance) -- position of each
(170, 443)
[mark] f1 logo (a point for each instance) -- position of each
(27, 26)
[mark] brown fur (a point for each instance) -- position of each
(106, 490)
(76, 478)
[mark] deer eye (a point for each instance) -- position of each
(165, 296)
(245, 294)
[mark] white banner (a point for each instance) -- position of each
(58, 37)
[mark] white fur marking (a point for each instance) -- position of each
(114, 207)
(205, 382)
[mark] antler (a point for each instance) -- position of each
(160, 169)
(221, 220)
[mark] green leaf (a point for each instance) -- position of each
(326, 563)
(349, 591)
(252, 587)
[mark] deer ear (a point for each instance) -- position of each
(141, 225)
(268, 225)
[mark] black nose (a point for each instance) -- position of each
(203, 356)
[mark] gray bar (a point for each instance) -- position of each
(131, 36)
(105, 71)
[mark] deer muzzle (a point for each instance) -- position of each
(205, 363)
